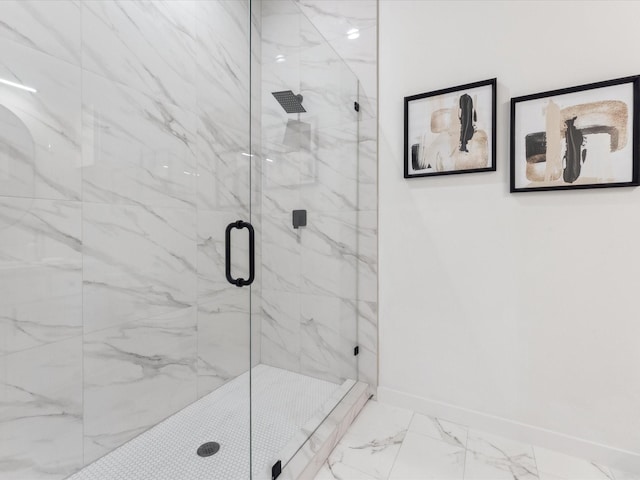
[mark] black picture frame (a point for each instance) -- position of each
(451, 97)
(526, 153)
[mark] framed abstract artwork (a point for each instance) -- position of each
(579, 137)
(451, 130)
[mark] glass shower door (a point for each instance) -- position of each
(226, 237)
(306, 167)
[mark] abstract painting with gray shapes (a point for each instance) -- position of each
(574, 139)
(450, 132)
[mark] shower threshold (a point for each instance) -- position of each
(286, 406)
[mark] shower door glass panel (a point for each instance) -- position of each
(124, 154)
(224, 198)
(306, 162)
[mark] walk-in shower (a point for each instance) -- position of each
(180, 239)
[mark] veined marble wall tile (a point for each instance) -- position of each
(285, 26)
(281, 329)
(368, 166)
(136, 375)
(283, 170)
(147, 45)
(368, 297)
(329, 87)
(256, 19)
(17, 156)
(51, 27)
(367, 256)
(328, 256)
(52, 117)
(137, 149)
(369, 99)
(327, 338)
(281, 246)
(40, 272)
(222, 79)
(360, 54)
(139, 262)
(256, 74)
(223, 339)
(335, 186)
(41, 412)
(368, 341)
(320, 175)
(223, 54)
(224, 166)
(256, 331)
(335, 17)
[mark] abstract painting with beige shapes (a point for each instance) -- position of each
(577, 142)
(459, 144)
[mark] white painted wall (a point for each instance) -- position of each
(512, 312)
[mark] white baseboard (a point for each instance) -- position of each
(616, 458)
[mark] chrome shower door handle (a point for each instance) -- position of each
(240, 282)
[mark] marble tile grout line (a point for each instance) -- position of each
(395, 458)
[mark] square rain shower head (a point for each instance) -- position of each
(288, 100)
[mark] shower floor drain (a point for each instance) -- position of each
(208, 449)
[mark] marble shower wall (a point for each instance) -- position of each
(320, 281)
(117, 179)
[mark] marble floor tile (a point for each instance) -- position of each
(433, 448)
(492, 457)
(423, 458)
(340, 471)
(556, 465)
(373, 455)
(448, 432)
(381, 421)
(373, 441)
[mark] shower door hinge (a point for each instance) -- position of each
(276, 470)
(356, 350)
(356, 106)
